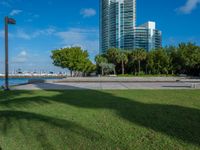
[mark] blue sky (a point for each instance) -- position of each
(44, 25)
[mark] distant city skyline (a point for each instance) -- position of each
(46, 25)
(118, 28)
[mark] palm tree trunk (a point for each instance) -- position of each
(122, 67)
(146, 69)
(139, 66)
(71, 73)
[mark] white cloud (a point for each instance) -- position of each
(20, 33)
(22, 57)
(78, 35)
(1, 33)
(189, 6)
(36, 16)
(88, 12)
(85, 38)
(23, 54)
(15, 12)
(71, 36)
(32, 17)
(45, 32)
(23, 35)
(5, 3)
(8, 3)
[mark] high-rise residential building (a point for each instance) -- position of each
(117, 20)
(146, 36)
(118, 27)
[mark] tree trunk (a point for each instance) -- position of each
(146, 71)
(139, 66)
(76, 73)
(102, 71)
(122, 67)
(114, 71)
(71, 73)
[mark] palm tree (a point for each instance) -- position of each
(112, 54)
(99, 61)
(139, 55)
(123, 59)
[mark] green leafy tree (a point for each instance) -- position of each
(150, 63)
(184, 58)
(74, 58)
(158, 61)
(188, 54)
(174, 59)
(60, 58)
(89, 67)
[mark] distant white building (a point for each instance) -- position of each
(146, 36)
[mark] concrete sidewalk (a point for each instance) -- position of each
(120, 79)
(108, 85)
(127, 79)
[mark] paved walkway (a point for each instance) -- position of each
(108, 85)
(128, 79)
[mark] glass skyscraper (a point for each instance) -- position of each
(118, 27)
(117, 20)
(146, 36)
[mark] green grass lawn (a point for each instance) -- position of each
(118, 120)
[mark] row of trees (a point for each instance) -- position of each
(183, 59)
(75, 59)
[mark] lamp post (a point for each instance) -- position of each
(7, 22)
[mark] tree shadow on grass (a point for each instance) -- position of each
(176, 121)
(39, 123)
(24, 102)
